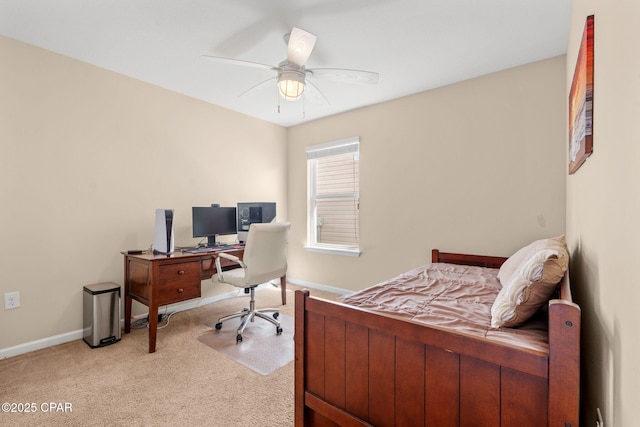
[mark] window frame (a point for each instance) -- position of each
(313, 152)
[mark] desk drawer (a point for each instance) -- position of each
(179, 282)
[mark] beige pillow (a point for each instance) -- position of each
(528, 280)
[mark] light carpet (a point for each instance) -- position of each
(183, 383)
(260, 349)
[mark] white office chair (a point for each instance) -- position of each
(264, 259)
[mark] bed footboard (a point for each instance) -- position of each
(564, 358)
(354, 367)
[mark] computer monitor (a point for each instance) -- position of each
(212, 221)
(254, 212)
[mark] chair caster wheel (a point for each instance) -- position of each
(219, 325)
(238, 338)
(278, 330)
(276, 315)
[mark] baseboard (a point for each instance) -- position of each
(40, 344)
(78, 334)
(187, 305)
(318, 286)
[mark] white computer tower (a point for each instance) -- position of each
(163, 240)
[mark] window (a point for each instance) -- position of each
(334, 193)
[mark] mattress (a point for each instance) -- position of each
(453, 297)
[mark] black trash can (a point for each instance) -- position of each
(101, 314)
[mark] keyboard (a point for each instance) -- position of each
(198, 250)
(207, 249)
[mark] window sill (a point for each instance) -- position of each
(334, 250)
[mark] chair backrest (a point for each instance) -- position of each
(265, 253)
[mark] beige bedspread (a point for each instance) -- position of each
(456, 297)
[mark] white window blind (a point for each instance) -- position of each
(334, 192)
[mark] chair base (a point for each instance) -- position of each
(248, 315)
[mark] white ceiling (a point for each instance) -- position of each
(415, 45)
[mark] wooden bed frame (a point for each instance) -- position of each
(354, 367)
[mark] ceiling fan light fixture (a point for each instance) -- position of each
(300, 43)
(291, 84)
(292, 72)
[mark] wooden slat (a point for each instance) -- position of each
(381, 379)
(410, 384)
(314, 354)
(467, 259)
(357, 370)
(335, 379)
(524, 399)
(479, 393)
(318, 419)
(442, 387)
(331, 415)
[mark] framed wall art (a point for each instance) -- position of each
(581, 102)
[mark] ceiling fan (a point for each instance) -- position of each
(292, 75)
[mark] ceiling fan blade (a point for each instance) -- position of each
(239, 43)
(238, 62)
(314, 94)
(300, 46)
(345, 76)
(256, 86)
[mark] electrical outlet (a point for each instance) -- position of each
(11, 300)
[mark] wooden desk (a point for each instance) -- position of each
(156, 280)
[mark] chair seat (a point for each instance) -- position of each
(235, 277)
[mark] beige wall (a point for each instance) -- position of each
(476, 167)
(86, 157)
(92, 147)
(603, 207)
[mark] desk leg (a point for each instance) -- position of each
(127, 297)
(127, 312)
(153, 327)
(283, 289)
